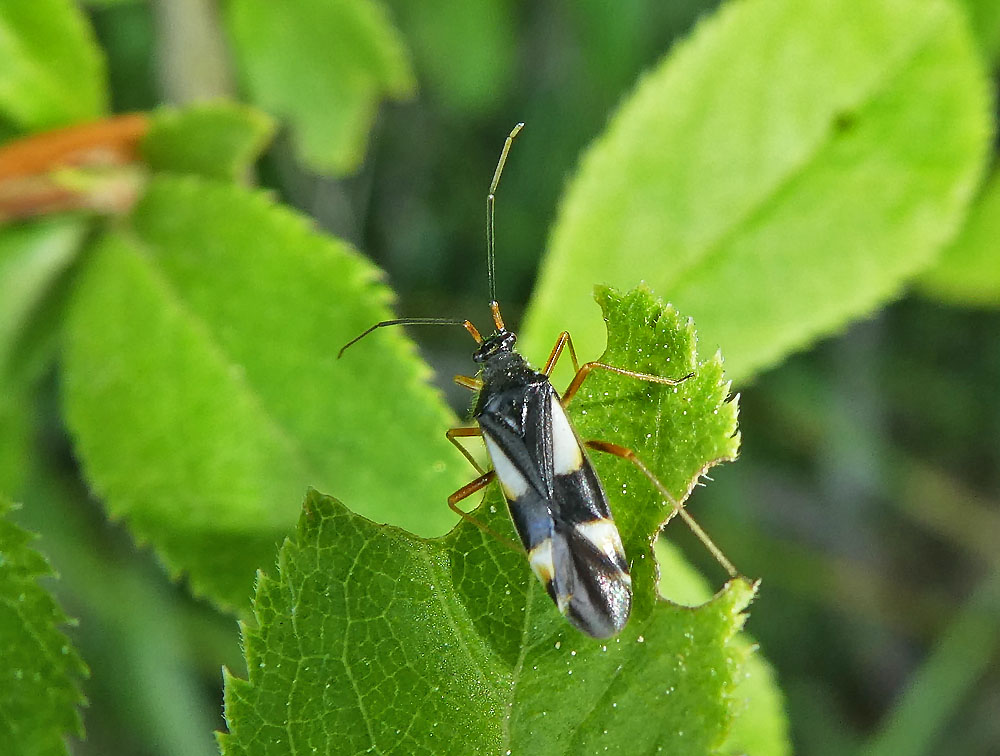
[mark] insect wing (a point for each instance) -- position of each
(599, 589)
(558, 507)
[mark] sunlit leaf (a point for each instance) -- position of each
(783, 171)
(370, 639)
(204, 392)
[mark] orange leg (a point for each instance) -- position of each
(465, 381)
(454, 434)
(629, 455)
(582, 373)
(467, 490)
(565, 340)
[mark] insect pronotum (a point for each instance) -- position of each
(555, 499)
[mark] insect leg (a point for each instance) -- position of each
(454, 434)
(465, 381)
(467, 490)
(582, 373)
(564, 340)
(629, 455)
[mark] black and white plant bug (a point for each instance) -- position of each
(556, 500)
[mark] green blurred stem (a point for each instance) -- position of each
(843, 584)
(943, 505)
(193, 59)
(939, 687)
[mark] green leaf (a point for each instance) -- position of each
(969, 270)
(39, 678)
(760, 727)
(218, 140)
(34, 257)
(984, 20)
(465, 51)
(323, 65)
(52, 73)
(371, 639)
(204, 393)
(783, 171)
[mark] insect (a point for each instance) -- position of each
(555, 499)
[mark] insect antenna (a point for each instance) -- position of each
(490, 233)
(414, 321)
(494, 307)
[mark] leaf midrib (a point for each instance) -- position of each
(235, 371)
(715, 248)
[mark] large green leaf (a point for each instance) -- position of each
(784, 170)
(218, 140)
(372, 640)
(52, 72)
(323, 65)
(969, 270)
(40, 674)
(204, 394)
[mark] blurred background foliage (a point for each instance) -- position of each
(867, 495)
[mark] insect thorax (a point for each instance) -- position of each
(501, 373)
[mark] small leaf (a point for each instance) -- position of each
(41, 671)
(218, 140)
(371, 639)
(204, 392)
(968, 271)
(52, 73)
(779, 174)
(324, 65)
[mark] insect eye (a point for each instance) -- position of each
(484, 352)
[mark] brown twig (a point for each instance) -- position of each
(87, 166)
